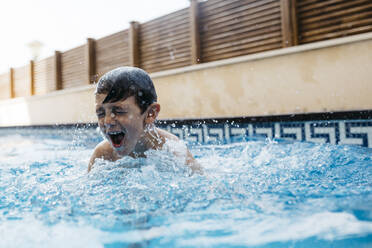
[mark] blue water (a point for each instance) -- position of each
(255, 193)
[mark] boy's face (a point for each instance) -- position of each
(121, 122)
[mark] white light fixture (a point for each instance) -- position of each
(35, 48)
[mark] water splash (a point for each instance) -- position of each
(254, 193)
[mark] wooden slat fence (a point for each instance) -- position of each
(44, 76)
(4, 86)
(206, 31)
(21, 82)
(73, 67)
(328, 19)
(238, 27)
(112, 51)
(165, 42)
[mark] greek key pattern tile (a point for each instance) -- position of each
(356, 132)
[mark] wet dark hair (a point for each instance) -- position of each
(123, 82)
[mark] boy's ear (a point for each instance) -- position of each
(152, 113)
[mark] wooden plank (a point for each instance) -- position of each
(242, 31)
(332, 8)
(340, 27)
(155, 67)
(268, 47)
(289, 23)
(73, 56)
(112, 60)
(194, 33)
(112, 51)
(214, 4)
(213, 12)
(58, 70)
(166, 29)
(248, 9)
(304, 9)
(166, 41)
(342, 33)
(169, 57)
(227, 43)
(247, 38)
(337, 21)
(21, 82)
(112, 65)
(247, 44)
(74, 67)
(241, 22)
(4, 86)
(302, 3)
(337, 14)
(258, 12)
(177, 41)
(134, 58)
(107, 61)
(169, 23)
(32, 78)
(157, 51)
(184, 54)
(165, 49)
(44, 76)
(90, 60)
(120, 44)
(167, 61)
(165, 46)
(11, 81)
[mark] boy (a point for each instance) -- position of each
(126, 107)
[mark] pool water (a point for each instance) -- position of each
(255, 193)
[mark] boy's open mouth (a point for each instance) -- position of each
(116, 138)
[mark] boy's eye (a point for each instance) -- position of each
(119, 112)
(100, 114)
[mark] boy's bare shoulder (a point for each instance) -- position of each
(190, 160)
(103, 150)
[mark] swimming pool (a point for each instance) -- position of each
(256, 192)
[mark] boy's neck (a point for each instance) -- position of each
(149, 140)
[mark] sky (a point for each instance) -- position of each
(62, 25)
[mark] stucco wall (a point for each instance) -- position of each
(60, 107)
(328, 79)
(326, 76)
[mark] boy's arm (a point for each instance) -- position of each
(103, 150)
(193, 164)
(190, 160)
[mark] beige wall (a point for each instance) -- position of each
(328, 79)
(62, 107)
(326, 76)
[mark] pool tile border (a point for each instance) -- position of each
(337, 128)
(343, 132)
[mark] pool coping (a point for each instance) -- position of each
(297, 117)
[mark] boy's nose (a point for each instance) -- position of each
(109, 119)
